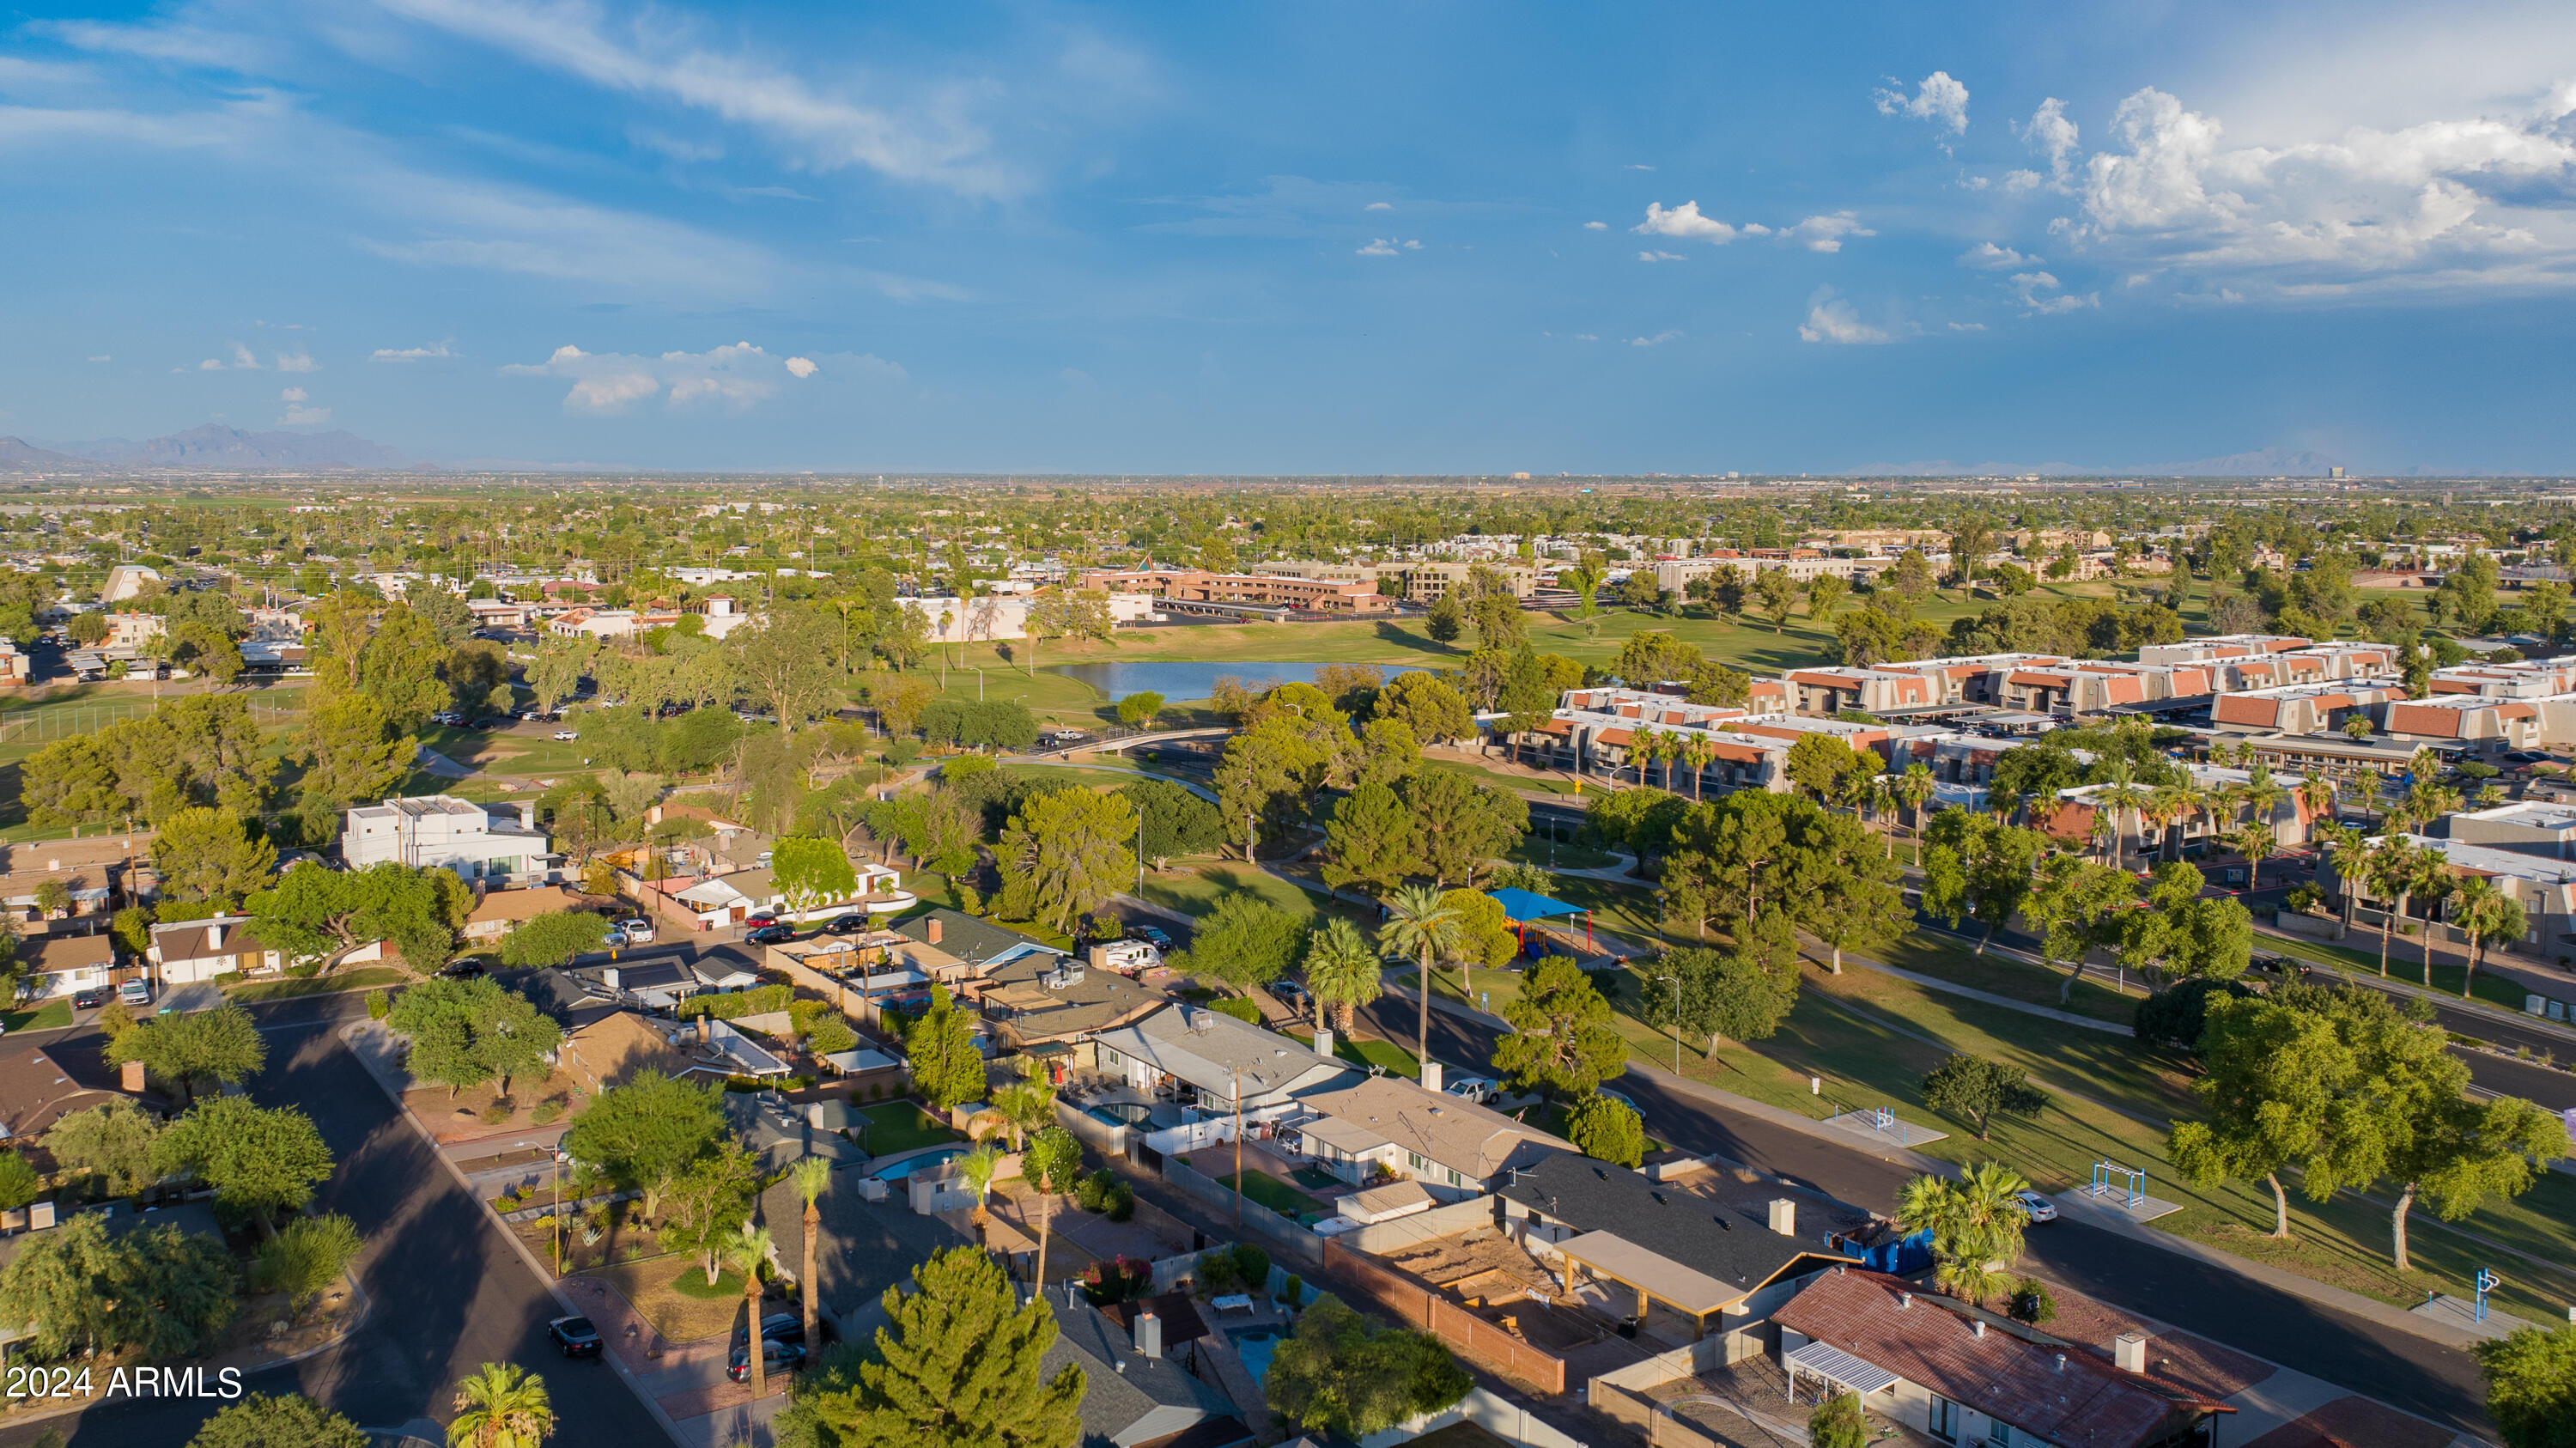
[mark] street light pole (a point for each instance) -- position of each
(1677, 1020)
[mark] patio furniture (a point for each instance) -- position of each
(1232, 1302)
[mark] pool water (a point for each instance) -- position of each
(1255, 1345)
(1121, 1113)
(923, 1162)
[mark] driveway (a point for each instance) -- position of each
(2393, 1366)
(449, 1292)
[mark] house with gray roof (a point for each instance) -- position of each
(1136, 1391)
(862, 1249)
(1217, 1055)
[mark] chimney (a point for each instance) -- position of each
(2061, 1362)
(934, 930)
(130, 1078)
(2129, 1352)
(1430, 1075)
(1784, 1216)
(1904, 1300)
(706, 1030)
(1977, 1328)
(215, 933)
(1324, 1042)
(1149, 1335)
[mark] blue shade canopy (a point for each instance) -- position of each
(1521, 906)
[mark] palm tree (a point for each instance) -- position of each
(1028, 1104)
(1698, 750)
(1052, 1165)
(749, 1248)
(2256, 842)
(2485, 913)
(2432, 880)
(1916, 788)
(1341, 971)
(2260, 794)
(2318, 793)
(502, 1406)
(1882, 808)
(812, 1176)
(978, 1167)
(2489, 796)
(2388, 869)
(2122, 795)
(1422, 926)
(1976, 1225)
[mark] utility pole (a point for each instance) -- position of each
(1140, 854)
(1677, 1020)
(1238, 1148)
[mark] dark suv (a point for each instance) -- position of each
(574, 1336)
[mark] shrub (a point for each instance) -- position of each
(378, 1004)
(1838, 1423)
(1293, 1291)
(1239, 1007)
(1121, 1280)
(1092, 1194)
(1606, 1129)
(2305, 899)
(970, 900)
(1217, 1273)
(546, 1113)
(902, 752)
(305, 1257)
(2030, 1302)
(831, 1037)
(1252, 1265)
(1122, 1202)
(497, 1112)
(2174, 1017)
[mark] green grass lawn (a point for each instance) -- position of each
(1515, 782)
(1369, 1051)
(1558, 855)
(1269, 1191)
(365, 977)
(1196, 889)
(1945, 959)
(51, 1016)
(2358, 954)
(902, 1126)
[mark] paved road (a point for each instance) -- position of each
(2411, 1372)
(449, 1292)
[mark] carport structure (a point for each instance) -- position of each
(1524, 908)
(1612, 1258)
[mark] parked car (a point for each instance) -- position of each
(1474, 1089)
(846, 925)
(135, 992)
(574, 1336)
(464, 967)
(776, 1327)
(1153, 935)
(1292, 995)
(89, 999)
(566, 736)
(496, 722)
(448, 717)
(637, 929)
(776, 1357)
(2041, 1209)
(765, 915)
(770, 934)
(1622, 1098)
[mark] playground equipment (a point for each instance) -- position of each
(2131, 1182)
(2488, 1281)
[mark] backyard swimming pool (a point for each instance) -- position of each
(1255, 1345)
(1121, 1113)
(928, 1159)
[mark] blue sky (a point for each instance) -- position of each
(1330, 238)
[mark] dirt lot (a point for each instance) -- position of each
(461, 1117)
(651, 1285)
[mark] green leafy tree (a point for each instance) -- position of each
(222, 1044)
(644, 1134)
(1976, 1090)
(1565, 1038)
(1244, 943)
(399, 669)
(709, 1203)
(1065, 853)
(1140, 709)
(812, 872)
(1373, 842)
(1484, 935)
(501, 1406)
(353, 753)
(207, 854)
(1838, 1422)
(2531, 1386)
(552, 938)
(1447, 618)
(1465, 825)
(157, 1291)
(939, 1050)
(113, 1142)
(2274, 1075)
(1741, 994)
(1842, 886)
(1269, 771)
(284, 1421)
(1607, 1129)
(261, 1160)
(1176, 822)
(1976, 1223)
(1339, 1374)
(305, 1257)
(19, 1183)
(784, 662)
(1428, 705)
(958, 1361)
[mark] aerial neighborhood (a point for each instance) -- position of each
(1745, 961)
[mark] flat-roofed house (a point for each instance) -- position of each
(476, 841)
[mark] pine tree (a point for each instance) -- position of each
(958, 1363)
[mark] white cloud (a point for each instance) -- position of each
(1637, 166)
(1379, 206)
(297, 362)
(102, 358)
(210, 365)
(604, 383)
(291, 394)
(414, 354)
(930, 141)
(2028, 288)
(1660, 256)
(1831, 319)
(1825, 233)
(1685, 222)
(1986, 256)
(1657, 340)
(297, 414)
(1379, 246)
(243, 361)
(1587, 336)
(2017, 182)
(1938, 99)
(2052, 135)
(1967, 326)
(1413, 246)
(1596, 226)
(2441, 203)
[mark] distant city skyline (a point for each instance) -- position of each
(1429, 240)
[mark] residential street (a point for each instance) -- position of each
(2395, 1367)
(448, 1292)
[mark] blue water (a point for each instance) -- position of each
(1182, 680)
(923, 1162)
(1124, 1113)
(1255, 1345)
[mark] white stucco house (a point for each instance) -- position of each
(477, 841)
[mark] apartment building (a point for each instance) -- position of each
(953, 620)
(2488, 725)
(2302, 708)
(2542, 830)
(2219, 647)
(1828, 691)
(1270, 590)
(1424, 583)
(2543, 886)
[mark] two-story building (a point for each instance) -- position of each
(477, 841)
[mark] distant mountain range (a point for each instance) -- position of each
(211, 448)
(2270, 462)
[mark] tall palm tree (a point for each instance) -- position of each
(1882, 808)
(979, 1167)
(1916, 788)
(1976, 1223)
(2122, 795)
(1421, 926)
(749, 1248)
(812, 1176)
(2484, 912)
(2256, 842)
(1342, 973)
(2432, 881)
(1052, 1165)
(2389, 869)
(1028, 1104)
(502, 1406)
(2318, 793)
(1698, 750)
(2260, 794)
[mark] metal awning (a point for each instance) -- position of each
(1824, 1360)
